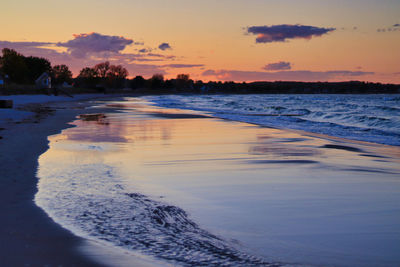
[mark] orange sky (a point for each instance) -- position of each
(213, 37)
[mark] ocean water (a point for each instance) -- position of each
(371, 118)
(188, 189)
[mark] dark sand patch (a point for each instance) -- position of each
(297, 161)
(341, 147)
(373, 156)
(177, 115)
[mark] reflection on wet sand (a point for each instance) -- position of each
(284, 195)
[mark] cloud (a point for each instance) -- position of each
(146, 70)
(182, 66)
(85, 43)
(160, 56)
(145, 50)
(86, 50)
(16, 45)
(278, 66)
(300, 75)
(283, 32)
(164, 46)
(38, 49)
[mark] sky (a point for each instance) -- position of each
(227, 40)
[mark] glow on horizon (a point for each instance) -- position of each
(213, 33)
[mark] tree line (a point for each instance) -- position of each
(20, 69)
(25, 70)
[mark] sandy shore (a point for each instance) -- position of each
(28, 237)
(289, 196)
(166, 139)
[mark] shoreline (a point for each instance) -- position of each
(29, 237)
(336, 175)
(27, 229)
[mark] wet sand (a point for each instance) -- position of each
(289, 196)
(28, 237)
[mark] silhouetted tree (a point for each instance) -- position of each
(36, 66)
(102, 69)
(182, 81)
(61, 74)
(116, 76)
(117, 72)
(137, 82)
(156, 81)
(88, 73)
(87, 78)
(198, 86)
(13, 64)
(183, 77)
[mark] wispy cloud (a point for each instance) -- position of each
(182, 66)
(17, 45)
(282, 65)
(146, 70)
(300, 75)
(284, 32)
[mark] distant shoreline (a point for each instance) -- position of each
(212, 87)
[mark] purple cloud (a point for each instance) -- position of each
(164, 46)
(281, 33)
(85, 43)
(301, 75)
(145, 50)
(278, 66)
(16, 45)
(146, 70)
(129, 60)
(182, 66)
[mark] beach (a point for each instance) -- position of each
(28, 236)
(264, 196)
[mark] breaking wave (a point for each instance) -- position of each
(371, 118)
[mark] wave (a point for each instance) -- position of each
(110, 212)
(343, 116)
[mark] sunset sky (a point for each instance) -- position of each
(239, 40)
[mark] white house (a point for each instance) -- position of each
(66, 85)
(44, 81)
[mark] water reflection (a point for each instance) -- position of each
(284, 195)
